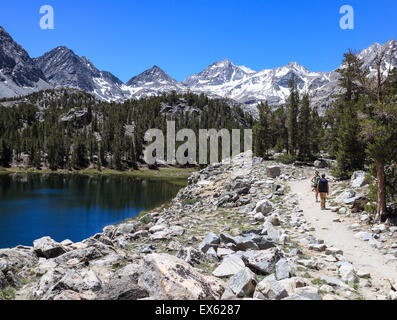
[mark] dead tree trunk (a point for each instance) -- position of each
(380, 173)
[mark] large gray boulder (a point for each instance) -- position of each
(292, 284)
(211, 240)
(229, 267)
(273, 171)
(347, 272)
(246, 243)
(243, 283)
(283, 269)
(123, 285)
(334, 282)
(270, 289)
(48, 281)
(264, 207)
(264, 261)
(346, 194)
(91, 250)
(3, 280)
(321, 164)
(266, 242)
(17, 258)
(358, 179)
(125, 228)
(78, 281)
(226, 238)
(166, 277)
(272, 232)
(193, 256)
(48, 248)
(253, 242)
(118, 289)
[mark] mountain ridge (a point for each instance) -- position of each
(61, 67)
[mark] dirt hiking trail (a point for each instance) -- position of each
(359, 253)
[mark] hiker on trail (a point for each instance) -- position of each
(316, 178)
(323, 189)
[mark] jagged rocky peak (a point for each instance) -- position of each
(18, 73)
(60, 55)
(152, 75)
(16, 63)
(369, 56)
(64, 68)
(153, 82)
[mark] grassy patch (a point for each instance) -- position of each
(186, 202)
(144, 218)
(260, 277)
(322, 293)
(176, 176)
(118, 265)
(207, 267)
(318, 281)
(352, 284)
(26, 281)
(8, 293)
(303, 256)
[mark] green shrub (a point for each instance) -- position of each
(189, 201)
(286, 158)
(319, 281)
(144, 218)
(8, 293)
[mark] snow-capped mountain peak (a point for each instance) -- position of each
(217, 74)
(152, 75)
(151, 82)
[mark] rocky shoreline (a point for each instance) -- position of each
(235, 232)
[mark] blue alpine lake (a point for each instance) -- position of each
(72, 207)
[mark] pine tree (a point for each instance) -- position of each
(79, 154)
(304, 125)
(292, 122)
(350, 155)
(5, 153)
(279, 129)
(317, 132)
(261, 131)
(348, 146)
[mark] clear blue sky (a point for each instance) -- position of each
(183, 37)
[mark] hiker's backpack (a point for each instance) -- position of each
(323, 185)
(316, 181)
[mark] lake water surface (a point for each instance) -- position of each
(72, 207)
